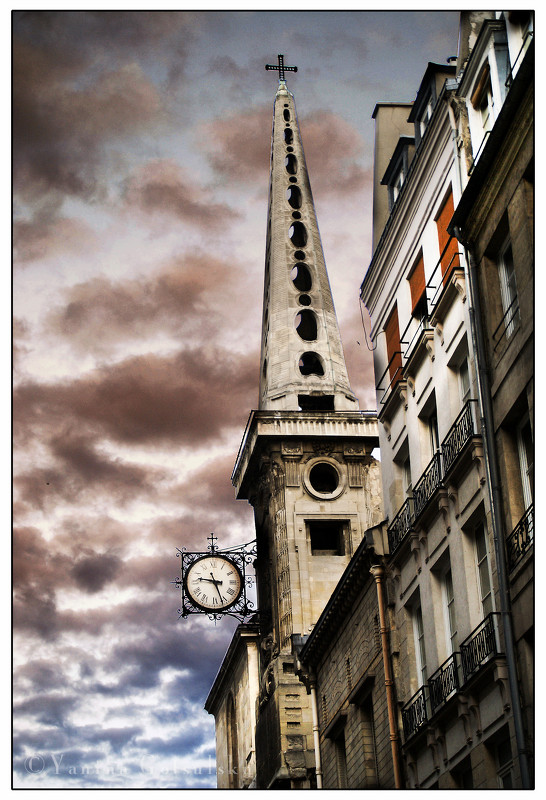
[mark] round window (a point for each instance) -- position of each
(323, 479)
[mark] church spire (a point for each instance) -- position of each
(302, 362)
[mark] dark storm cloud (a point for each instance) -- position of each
(60, 130)
(150, 400)
(189, 297)
(91, 573)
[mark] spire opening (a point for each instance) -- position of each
(301, 277)
(297, 234)
(291, 164)
(293, 195)
(306, 325)
(311, 364)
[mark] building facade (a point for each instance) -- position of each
(460, 680)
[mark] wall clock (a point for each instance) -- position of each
(216, 582)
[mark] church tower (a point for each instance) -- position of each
(305, 461)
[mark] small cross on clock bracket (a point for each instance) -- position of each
(215, 582)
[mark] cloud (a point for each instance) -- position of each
(238, 146)
(183, 399)
(161, 187)
(238, 149)
(193, 298)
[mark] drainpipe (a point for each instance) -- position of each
(495, 499)
(316, 740)
(378, 572)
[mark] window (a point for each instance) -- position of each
(484, 570)
(464, 380)
(509, 296)
(341, 760)
(406, 477)
(426, 115)
(327, 537)
(448, 245)
(416, 280)
(526, 452)
(233, 758)
(397, 168)
(394, 355)
(368, 743)
(482, 102)
(449, 607)
(433, 433)
(420, 653)
(503, 757)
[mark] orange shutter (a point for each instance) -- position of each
(417, 284)
(392, 333)
(442, 222)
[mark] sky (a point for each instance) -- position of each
(140, 178)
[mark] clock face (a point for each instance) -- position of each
(213, 583)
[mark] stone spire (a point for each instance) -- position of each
(302, 362)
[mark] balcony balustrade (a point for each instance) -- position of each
(479, 647)
(443, 683)
(521, 538)
(458, 435)
(400, 526)
(414, 713)
(428, 483)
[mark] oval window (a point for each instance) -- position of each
(291, 164)
(293, 195)
(306, 325)
(297, 234)
(311, 364)
(286, 114)
(324, 478)
(288, 136)
(304, 300)
(300, 255)
(301, 277)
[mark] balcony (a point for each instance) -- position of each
(444, 683)
(478, 648)
(400, 526)
(451, 677)
(521, 539)
(459, 435)
(429, 482)
(414, 713)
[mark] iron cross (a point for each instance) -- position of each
(280, 66)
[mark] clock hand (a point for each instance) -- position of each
(216, 584)
(208, 580)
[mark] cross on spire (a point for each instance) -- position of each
(281, 67)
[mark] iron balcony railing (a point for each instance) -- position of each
(400, 526)
(444, 683)
(396, 378)
(438, 278)
(414, 713)
(458, 435)
(507, 325)
(479, 647)
(521, 538)
(428, 483)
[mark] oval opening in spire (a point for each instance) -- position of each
(291, 164)
(293, 195)
(311, 364)
(288, 135)
(286, 114)
(306, 325)
(297, 234)
(301, 277)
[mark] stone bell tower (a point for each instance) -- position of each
(305, 461)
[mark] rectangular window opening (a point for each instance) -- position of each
(327, 537)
